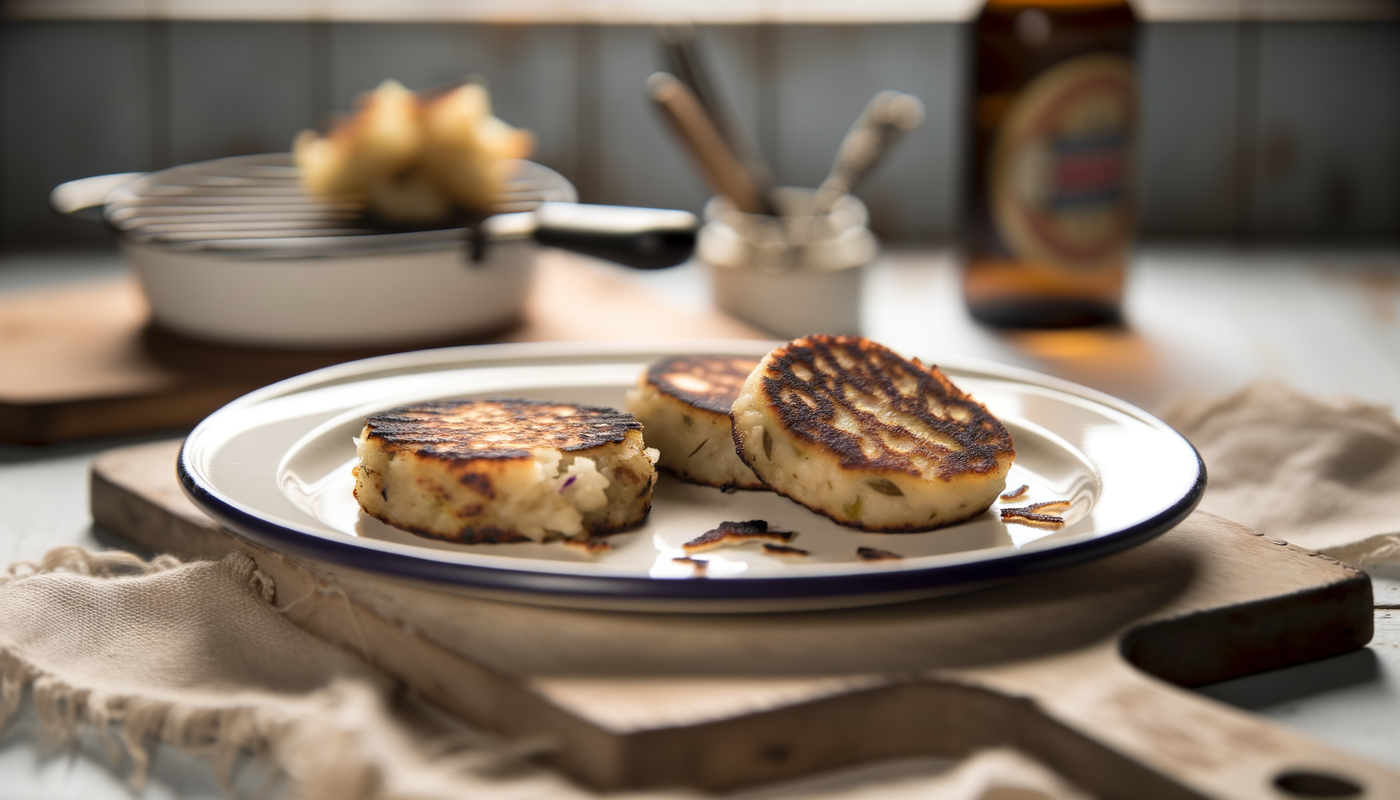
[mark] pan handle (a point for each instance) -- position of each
(642, 238)
(85, 193)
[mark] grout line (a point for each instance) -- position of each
(321, 54)
(1247, 102)
(767, 42)
(587, 175)
(159, 121)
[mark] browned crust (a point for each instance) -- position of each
(723, 487)
(488, 534)
(911, 528)
(709, 383)
(1016, 493)
(590, 546)
(1031, 513)
(783, 550)
(876, 554)
(699, 564)
(496, 430)
(806, 380)
(736, 533)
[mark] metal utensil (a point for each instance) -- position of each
(688, 120)
(680, 51)
(886, 117)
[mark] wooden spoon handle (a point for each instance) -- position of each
(694, 128)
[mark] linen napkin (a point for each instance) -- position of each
(196, 656)
(1321, 474)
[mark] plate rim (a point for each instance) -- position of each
(553, 588)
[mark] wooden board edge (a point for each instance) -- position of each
(1276, 632)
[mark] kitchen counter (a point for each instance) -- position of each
(1202, 321)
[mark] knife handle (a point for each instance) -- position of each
(641, 238)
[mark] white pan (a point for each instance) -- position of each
(233, 251)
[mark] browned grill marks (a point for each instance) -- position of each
(496, 429)
(736, 533)
(810, 381)
(876, 554)
(709, 382)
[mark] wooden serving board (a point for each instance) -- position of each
(82, 360)
(1074, 667)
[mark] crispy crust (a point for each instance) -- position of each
(707, 382)
(497, 429)
(482, 535)
(807, 383)
(470, 471)
(736, 533)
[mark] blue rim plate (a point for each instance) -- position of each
(274, 466)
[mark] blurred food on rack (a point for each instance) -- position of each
(415, 158)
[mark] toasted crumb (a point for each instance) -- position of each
(1032, 513)
(592, 547)
(1015, 493)
(783, 550)
(735, 533)
(698, 563)
(876, 554)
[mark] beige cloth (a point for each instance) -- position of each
(196, 656)
(1323, 475)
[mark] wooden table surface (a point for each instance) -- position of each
(1200, 321)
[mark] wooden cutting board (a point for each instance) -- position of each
(81, 360)
(1074, 667)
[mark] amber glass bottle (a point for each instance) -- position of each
(1050, 198)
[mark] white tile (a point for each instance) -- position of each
(638, 160)
(238, 88)
(826, 75)
(73, 103)
(1329, 131)
(1190, 94)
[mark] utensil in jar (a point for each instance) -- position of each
(886, 117)
(697, 132)
(680, 52)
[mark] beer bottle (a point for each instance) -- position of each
(1051, 207)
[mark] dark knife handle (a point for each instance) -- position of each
(642, 238)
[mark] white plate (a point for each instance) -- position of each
(275, 466)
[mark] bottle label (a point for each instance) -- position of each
(1061, 172)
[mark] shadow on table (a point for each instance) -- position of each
(1268, 689)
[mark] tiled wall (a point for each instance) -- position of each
(1254, 131)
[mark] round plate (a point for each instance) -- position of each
(275, 466)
